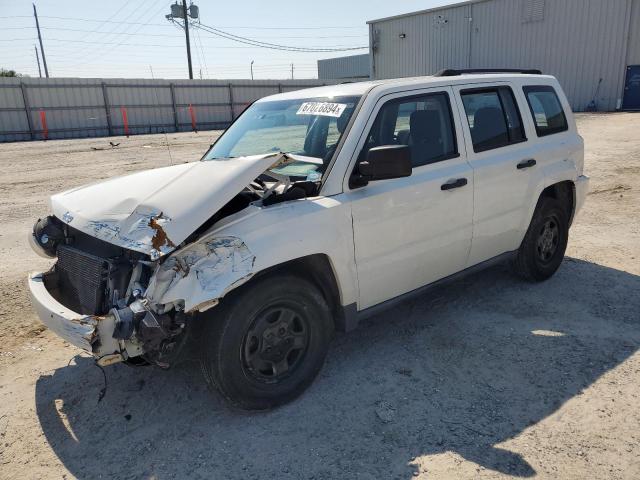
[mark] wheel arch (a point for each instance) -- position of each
(318, 269)
(562, 190)
(565, 192)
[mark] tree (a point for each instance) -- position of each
(8, 73)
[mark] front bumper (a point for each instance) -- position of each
(77, 329)
(91, 333)
(582, 187)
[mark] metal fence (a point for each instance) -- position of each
(41, 109)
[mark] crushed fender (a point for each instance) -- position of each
(201, 273)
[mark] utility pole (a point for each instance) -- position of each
(44, 60)
(252, 69)
(38, 60)
(186, 32)
(292, 71)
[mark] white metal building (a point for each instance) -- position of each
(591, 46)
(340, 68)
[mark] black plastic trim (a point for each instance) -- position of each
(458, 183)
(451, 72)
(526, 164)
(348, 320)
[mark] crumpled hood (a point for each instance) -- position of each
(153, 211)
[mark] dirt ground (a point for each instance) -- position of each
(489, 377)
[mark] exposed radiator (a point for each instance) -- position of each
(82, 280)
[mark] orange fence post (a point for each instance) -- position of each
(193, 118)
(43, 122)
(125, 120)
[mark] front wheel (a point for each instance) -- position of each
(266, 342)
(545, 242)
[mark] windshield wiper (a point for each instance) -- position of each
(303, 158)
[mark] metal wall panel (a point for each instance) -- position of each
(578, 41)
(633, 53)
(13, 120)
(421, 44)
(15, 126)
(205, 117)
(210, 94)
(351, 66)
(74, 107)
(11, 97)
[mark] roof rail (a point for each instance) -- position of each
(450, 72)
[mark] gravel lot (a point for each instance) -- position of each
(488, 377)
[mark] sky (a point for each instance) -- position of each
(133, 39)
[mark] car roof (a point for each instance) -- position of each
(360, 88)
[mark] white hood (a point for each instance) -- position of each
(154, 211)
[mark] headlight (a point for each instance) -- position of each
(47, 234)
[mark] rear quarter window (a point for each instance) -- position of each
(546, 110)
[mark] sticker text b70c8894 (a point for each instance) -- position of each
(325, 109)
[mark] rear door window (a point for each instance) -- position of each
(546, 110)
(493, 117)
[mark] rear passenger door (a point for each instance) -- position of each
(412, 231)
(505, 170)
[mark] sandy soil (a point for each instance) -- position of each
(488, 377)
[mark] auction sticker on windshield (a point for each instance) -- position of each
(325, 109)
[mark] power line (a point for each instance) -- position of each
(165, 35)
(119, 31)
(272, 46)
(108, 49)
(317, 27)
(330, 48)
(204, 59)
(104, 35)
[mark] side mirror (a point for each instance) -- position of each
(385, 162)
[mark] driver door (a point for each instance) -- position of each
(412, 231)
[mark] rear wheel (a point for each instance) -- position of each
(267, 342)
(545, 242)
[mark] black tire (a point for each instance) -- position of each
(545, 242)
(245, 348)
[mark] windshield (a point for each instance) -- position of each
(310, 127)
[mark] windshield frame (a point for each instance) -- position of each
(357, 100)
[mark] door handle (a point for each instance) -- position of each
(456, 183)
(526, 164)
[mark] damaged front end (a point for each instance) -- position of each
(93, 297)
(119, 306)
(125, 290)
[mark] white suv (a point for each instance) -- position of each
(316, 208)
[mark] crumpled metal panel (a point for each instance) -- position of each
(201, 273)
